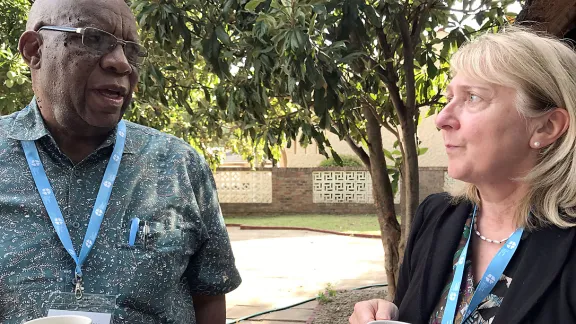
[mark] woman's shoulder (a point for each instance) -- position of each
(440, 211)
(440, 204)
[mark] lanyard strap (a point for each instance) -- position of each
(489, 280)
(52, 208)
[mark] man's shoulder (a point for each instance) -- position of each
(6, 123)
(7, 120)
(148, 140)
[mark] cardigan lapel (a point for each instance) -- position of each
(442, 247)
(542, 262)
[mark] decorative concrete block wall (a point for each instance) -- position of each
(279, 191)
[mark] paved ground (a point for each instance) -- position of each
(283, 267)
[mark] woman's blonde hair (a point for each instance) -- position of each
(542, 69)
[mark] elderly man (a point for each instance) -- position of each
(99, 216)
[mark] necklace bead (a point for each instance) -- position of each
(484, 238)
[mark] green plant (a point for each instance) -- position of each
(326, 295)
(347, 161)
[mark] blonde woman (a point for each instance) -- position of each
(503, 251)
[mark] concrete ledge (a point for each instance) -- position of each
(252, 227)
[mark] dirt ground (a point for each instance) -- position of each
(341, 306)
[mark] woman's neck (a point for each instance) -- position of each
(499, 204)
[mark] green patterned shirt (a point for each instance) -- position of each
(162, 181)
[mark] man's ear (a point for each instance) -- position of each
(30, 47)
(551, 126)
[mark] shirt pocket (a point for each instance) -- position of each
(155, 264)
(155, 237)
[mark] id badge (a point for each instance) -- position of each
(99, 308)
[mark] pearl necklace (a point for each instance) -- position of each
(484, 238)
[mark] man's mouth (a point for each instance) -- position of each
(111, 94)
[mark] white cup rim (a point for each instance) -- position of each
(42, 319)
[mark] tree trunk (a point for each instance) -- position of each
(384, 201)
(410, 178)
(402, 190)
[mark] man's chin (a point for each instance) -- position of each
(104, 122)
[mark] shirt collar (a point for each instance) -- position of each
(28, 125)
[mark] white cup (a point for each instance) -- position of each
(62, 319)
(387, 322)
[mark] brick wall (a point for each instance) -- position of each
(292, 193)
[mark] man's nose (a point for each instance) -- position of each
(116, 61)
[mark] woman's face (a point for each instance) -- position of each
(486, 139)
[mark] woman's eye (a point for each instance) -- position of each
(473, 97)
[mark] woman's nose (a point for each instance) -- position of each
(446, 118)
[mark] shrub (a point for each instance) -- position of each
(347, 161)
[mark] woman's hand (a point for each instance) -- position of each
(374, 309)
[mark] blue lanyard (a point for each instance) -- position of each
(53, 210)
(489, 280)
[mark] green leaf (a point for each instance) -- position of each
(11, 75)
(9, 83)
(422, 150)
(301, 38)
(311, 24)
(373, 17)
(432, 70)
(294, 40)
(275, 4)
(319, 9)
(227, 6)
(320, 102)
(336, 157)
(222, 35)
(480, 17)
(351, 57)
(388, 154)
(252, 5)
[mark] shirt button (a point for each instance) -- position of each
(76, 225)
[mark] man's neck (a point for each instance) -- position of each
(75, 147)
(75, 144)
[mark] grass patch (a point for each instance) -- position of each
(366, 224)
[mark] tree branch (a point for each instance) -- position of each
(391, 130)
(431, 101)
(408, 51)
(359, 151)
(418, 22)
(473, 11)
(386, 46)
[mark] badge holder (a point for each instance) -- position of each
(98, 307)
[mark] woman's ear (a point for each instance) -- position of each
(550, 127)
(30, 47)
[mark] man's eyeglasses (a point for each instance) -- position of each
(104, 42)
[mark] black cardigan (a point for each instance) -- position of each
(543, 289)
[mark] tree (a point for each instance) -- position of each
(291, 69)
(181, 110)
(264, 73)
(15, 90)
